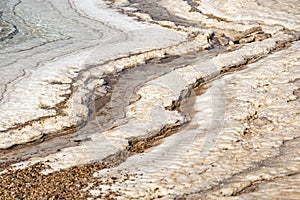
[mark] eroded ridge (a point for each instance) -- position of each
(168, 95)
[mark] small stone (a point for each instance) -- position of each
(247, 39)
(223, 41)
(261, 36)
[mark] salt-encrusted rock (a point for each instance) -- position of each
(176, 99)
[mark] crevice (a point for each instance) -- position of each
(254, 186)
(255, 166)
(57, 107)
(89, 18)
(12, 31)
(140, 144)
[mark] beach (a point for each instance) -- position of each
(149, 99)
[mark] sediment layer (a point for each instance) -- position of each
(150, 99)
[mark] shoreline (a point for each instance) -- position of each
(127, 99)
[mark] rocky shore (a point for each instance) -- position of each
(149, 99)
